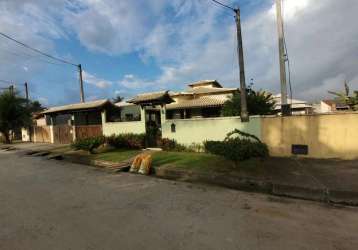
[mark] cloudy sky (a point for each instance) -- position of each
(132, 46)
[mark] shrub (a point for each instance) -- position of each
(88, 144)
(127, 141)
(171, 145)
(196, 147)
(236, 149)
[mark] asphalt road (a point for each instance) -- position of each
(57, 205)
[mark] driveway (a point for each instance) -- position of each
(57, 205)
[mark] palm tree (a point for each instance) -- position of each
(351, 101)
(258, 103)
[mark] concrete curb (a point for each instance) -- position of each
(78, 159)
(342, 197)
(105, 165)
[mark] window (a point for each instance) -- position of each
(173, 129)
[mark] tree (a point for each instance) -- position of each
(258, 103)
(351, 101)
(14, 113)
(117, 99)
(36, 106)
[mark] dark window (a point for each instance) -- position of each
(173, 128)
(211, 112)
(129, 117)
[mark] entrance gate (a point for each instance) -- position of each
(62, 134)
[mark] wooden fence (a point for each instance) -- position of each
(88, 131)
(42, 134)
(62, 134)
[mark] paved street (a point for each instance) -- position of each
(57, 205)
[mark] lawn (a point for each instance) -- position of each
(191, 161)
(118, 155)
(204, 162)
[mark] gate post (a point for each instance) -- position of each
(73, 125)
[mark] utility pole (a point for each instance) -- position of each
(240, 52)
(81, 83)
(26, 92)
(11, 89)
(285, 107)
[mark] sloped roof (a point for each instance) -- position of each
(78, 106)
(205, 90)
(201, 102)
(124, 104)
(153, 97)
(205, 83)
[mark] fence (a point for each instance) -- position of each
(42, 134)
(188, 131)
(63, 134)
(135, 127)
(88, 131)
(324, 135)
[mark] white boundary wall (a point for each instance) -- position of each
(188, 131)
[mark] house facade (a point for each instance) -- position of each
(203, 99)
(64, 124)
(298, 107)
(194, 116)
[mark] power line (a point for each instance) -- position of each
(224, 5)
(54, 58)
(30, 57)
(5, 81)
(38, 51)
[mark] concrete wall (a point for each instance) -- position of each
(327, 135)
(134, 127)
(110, 128)
(25, 132)
(198, 130)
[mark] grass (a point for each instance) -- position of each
(117, 155)
(191, 161)
(203, 162)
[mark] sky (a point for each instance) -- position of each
(128, 47)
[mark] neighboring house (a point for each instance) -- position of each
(128, 112)
(327, 106)
(201, 100)
(298, 107)
(64, 124)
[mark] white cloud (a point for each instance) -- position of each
(93, 80)
(188, 45)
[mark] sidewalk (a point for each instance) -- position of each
(332, 181)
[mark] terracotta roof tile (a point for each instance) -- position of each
(201, 102)
(77, 106)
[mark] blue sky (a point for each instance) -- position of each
(133, 46)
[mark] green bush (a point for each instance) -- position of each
(171, 145)
(88, 144)
(127, 141)
(240, 148)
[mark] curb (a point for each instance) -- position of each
(341, 197)
(105, 165)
